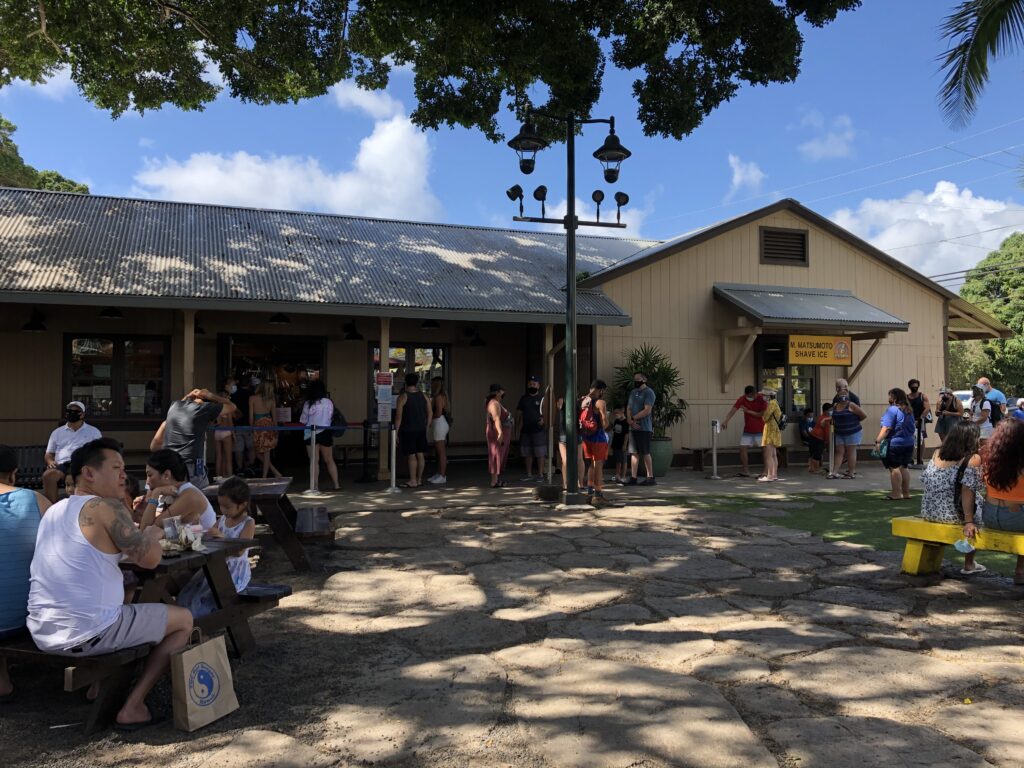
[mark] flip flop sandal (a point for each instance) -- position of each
(132, 727)
(978, 568)
(892, 498)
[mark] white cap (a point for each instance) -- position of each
(78, 404)
(1020, 402)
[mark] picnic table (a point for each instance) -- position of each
(270, 497)
(233, 610)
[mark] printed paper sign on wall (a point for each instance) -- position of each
(820, 350)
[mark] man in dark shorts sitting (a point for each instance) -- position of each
(533, 440)
(62, 443)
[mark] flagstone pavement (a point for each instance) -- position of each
(644, 635)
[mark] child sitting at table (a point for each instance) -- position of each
(234, 523)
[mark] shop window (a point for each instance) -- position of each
(796, 384)
(428, 362)
(784, 246)
(118, 377)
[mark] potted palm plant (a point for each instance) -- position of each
(669, 409)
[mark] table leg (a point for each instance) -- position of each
(153, 590)
(223, 588)
(280, 516)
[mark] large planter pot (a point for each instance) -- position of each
(661, 455)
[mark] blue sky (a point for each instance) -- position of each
(859, 137)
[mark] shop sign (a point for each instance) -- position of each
(820, 350)
(385, 378)
(384, 412)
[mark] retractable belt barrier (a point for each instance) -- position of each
(716, 427)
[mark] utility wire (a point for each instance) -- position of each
(957, 237)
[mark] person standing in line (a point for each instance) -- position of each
(223, 437)
(639, 410)
(262, 404)
(620, 433)
(184, 430)
(318, 412)
(1019, 413)
(846, 425)
(997, 398)
(922, 409)
(498, 431)
(533, 440)
(440, 425)
(594, 413)
(771, 438)
(817, 438)
(948, 412)
(412, 421)
(20, 510)
(73, 433)
(581, 466)
(843, 390)
(245, 447)
(981, 409)
(753, 405)
(899, 425)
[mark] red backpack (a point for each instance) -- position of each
(588, 424)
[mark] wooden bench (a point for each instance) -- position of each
(702, 456)
(113, 671)
(926, 542)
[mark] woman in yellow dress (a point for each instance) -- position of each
(771, 437)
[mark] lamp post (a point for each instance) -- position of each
(610, 154)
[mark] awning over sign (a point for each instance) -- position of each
(775, 306)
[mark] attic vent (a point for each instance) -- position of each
(784, 246)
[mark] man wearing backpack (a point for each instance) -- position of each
(592, 426)
(997, 398)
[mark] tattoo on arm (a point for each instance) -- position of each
(124, 534)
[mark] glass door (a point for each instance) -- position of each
(801, 379)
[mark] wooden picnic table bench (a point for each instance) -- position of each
(113, 671)
(926, 542)
(269, 495)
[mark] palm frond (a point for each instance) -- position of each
(976, 31)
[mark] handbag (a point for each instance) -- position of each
(201, 682)
(882, 450)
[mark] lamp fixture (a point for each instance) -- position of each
(515, 192)
(621, 198)
(611, 154)
(598, 198)
(111, 313)
(541, 194)
(351, 331)
(430, 325)
(35, 323)
(279, 318)
(527, 143)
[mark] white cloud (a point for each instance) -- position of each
(919, 219)
(748, 176)
(57, 87)
(834, 141)
(146, 143)
(379, 105)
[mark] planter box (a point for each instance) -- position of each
(661, 455)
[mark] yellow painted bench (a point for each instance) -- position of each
(926, 542)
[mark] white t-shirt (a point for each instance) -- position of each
(318, 414)
(64, 440)
(986, 425)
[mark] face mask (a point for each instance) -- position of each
(233, 388)
(533, 390)
(638, 384)
(74, 416)
(913, 389)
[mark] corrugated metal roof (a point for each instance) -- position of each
(119, 247)
(777, 305)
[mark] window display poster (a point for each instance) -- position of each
(136, 390)
(137, 404)
(384, 393)
(79, 393)
(101, 371)
(101, 392)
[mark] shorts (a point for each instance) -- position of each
(619, 455)
(410, 443)
(595, 451)
(816, 447)
(243, 440)
(751, 440)
(640, 442)
(64, 467)
(854, 439)
(1003, 515)
(139, 624)
(533, 444)
(325, 438)
(896, 458)
(439, 430)
(197, 474)
(221, 434)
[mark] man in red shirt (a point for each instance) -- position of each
(753, 405)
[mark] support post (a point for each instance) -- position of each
(864, 360)
(549, 412)
(383, 470)
(572, 493)
(188, 347)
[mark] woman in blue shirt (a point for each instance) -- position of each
(899, 425)
(846, 419)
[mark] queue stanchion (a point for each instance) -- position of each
(716, 427)
(393, 488)
(831, 450)
(314, 460)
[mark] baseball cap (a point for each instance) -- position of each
(77, 404)
(533, 377)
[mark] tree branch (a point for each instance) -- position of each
(42, 30)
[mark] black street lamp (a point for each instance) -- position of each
(610, 154)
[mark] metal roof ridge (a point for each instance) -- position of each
(29, 192)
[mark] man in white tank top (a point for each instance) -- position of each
(76, 597)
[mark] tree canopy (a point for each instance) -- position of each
(15, 172)
(467, 56)
(996, 284)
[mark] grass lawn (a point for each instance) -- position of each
(862, 517)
